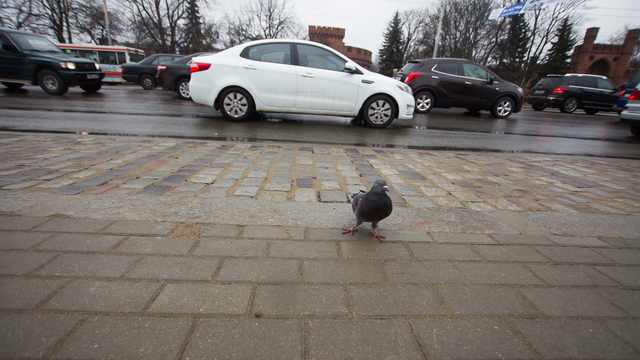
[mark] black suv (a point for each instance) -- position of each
(460, 83)
(144, 72)
(27, 58)
(569, 92)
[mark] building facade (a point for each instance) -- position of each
(609, 60)
(333, 37)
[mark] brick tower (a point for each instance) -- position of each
(333, 37)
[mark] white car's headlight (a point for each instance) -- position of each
(404, 87)
(68, 65)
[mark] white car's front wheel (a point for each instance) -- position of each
(379, 111)
(236, 104)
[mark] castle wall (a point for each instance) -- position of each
(605, 59)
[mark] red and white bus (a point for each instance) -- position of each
(109, 57)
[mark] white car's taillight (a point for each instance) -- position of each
(195, 67)
(161, 67)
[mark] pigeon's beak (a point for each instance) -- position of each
(386, 188)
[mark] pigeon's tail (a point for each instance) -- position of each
(356, 194)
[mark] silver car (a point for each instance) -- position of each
(631, 113)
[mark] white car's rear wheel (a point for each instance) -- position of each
(236, 104)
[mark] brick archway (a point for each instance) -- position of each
(600, 67)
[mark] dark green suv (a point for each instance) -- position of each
(27, 58)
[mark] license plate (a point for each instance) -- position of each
(398, 77)
(93, 76)
(538, 92)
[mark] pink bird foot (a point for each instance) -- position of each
(350, 230)
(378, 236)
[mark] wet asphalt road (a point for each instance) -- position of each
(129, 110)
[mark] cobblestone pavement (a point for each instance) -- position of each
(137, 248)
(429, 180)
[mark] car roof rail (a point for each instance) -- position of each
(594, 75)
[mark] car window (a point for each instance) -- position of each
(411, 66)
(163, 59)
(122, 58)
(315, 57)
(635, 80)
(475, 71)
(605, 84)
(448, 68)
(274, 53)
(575, 81)
(4, 40)
(589, 82)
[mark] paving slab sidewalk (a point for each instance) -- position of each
(486, 255)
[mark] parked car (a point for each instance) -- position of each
(144, 72)
(569, 92)
(295, 76)
(627, 89)
(175, 75)
(462, 83)
(631, 113)
(27, 58)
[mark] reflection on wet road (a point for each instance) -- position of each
(130, 110)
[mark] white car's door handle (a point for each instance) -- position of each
(308, 75)
(250, 67)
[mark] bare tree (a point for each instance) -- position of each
(91, 24)
(463, 28)
(262, 19)
(466, 31)
(18, 14)
(544, 24)
(157, 21)
(413, 22)
(58, 15)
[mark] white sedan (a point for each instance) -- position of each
(631, 113)
(295, 76)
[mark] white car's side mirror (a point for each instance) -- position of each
(350, 67)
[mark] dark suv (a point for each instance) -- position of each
(460, 83)
(27, 58)
(569, 92)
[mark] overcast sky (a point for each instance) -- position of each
(366, 20)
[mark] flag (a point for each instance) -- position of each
(522, 8)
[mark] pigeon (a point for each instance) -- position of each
(371, 206)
